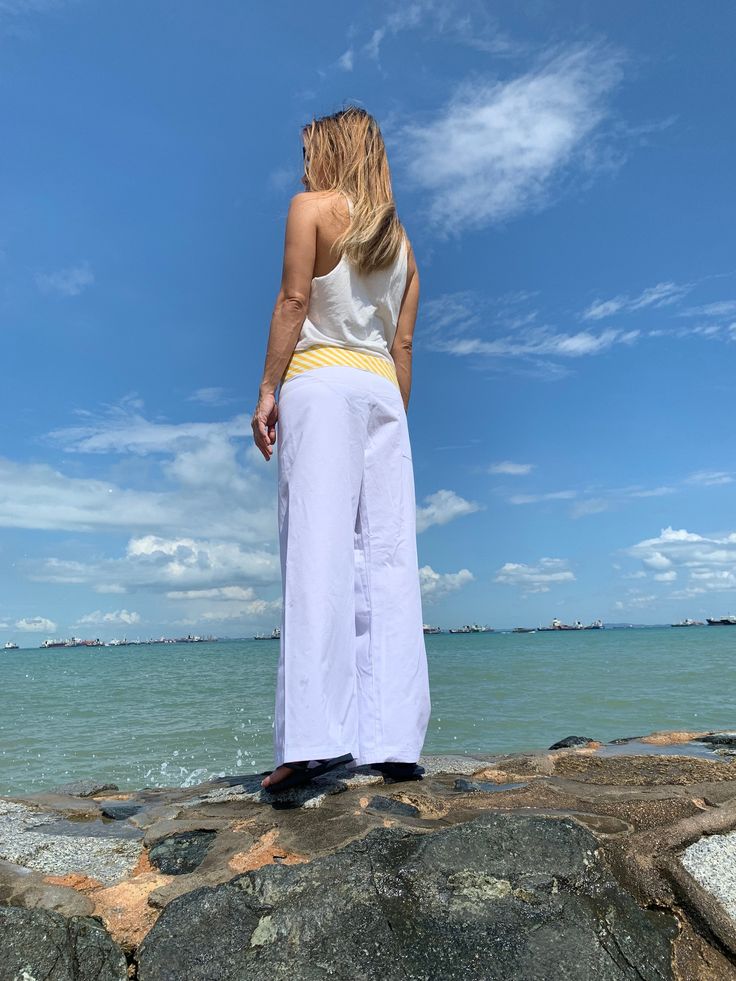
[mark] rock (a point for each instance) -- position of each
(20, 886)
(390, 806)
(719, 739)
(83, 788)
(475, 786)
(643, 770)
(454, 764)
(43, 841)
(39, 944)
(570, 741)
(166, 827)
(506, 896)
(120, 811)
(712, 862)
(181, 853)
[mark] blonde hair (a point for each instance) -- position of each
(345, 152)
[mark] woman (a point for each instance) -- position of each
(352, 681)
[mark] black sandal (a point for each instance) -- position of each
(304, 773)
(399, 771)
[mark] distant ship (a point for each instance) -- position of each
(557, 624)
(578, 625)
(687, 622)
(729, 621)
(431, 630)
(274, 635)
(524, 630)
(10, 646)
(73, 642)
(471, 628)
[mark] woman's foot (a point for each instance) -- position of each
(277, 775)
(298, 774)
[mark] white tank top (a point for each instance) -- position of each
(356, 310)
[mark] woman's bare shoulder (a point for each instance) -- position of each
(411, 262)
(316, 199)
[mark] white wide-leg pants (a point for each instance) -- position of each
(352, 674)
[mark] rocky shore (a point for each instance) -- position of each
(586, 860)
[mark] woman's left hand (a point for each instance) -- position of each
(263, 424)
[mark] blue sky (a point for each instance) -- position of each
(565, 173)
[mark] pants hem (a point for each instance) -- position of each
(322, 752)
(359, 759)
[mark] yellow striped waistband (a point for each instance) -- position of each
(319, 355)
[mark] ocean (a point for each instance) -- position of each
(175, 715)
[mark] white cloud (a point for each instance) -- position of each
(635, 601)
(211, 396)
(35, 495)
(720, 308)
(535, 578)
(497, 147)
(663, 294)
(593, 505)
(155, 563)
(441, 507)
(655, 560)
(66, 282)
(230, 593)
(451, 320)
(710, 477)
(707, 563)
(652, 492)
(346, 59)
(256, 608)
(212, 484)
(594, 499)
(508, 467)
(436, 585)
(115, 617)
(20, 7)
(35, 625)
(562, 495)
(447, 21)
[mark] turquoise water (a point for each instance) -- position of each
(178, 714)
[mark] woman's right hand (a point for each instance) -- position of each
(263, 424)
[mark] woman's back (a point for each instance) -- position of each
(355, 310)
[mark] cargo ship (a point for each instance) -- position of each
(274, 635)
(471, 628)
(578, 625)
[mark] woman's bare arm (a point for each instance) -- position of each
(290, 310)
(292, 302)
(401, 348)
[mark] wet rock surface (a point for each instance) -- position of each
(570, 741)
(39, 944)
(181, 853)
(584, 860)
(399, 904)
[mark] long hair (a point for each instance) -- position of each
(346, 152)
